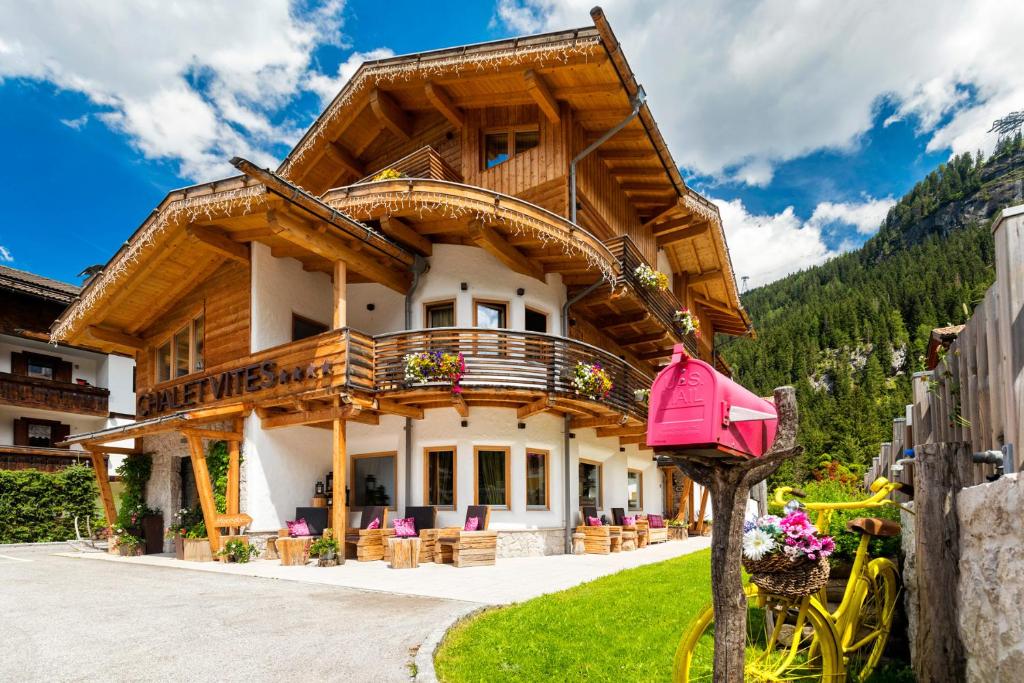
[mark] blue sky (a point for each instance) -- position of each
(795, 122)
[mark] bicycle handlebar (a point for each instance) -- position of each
(881, 487)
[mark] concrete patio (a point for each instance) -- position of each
(510, 580)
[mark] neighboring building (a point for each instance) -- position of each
(277, 309)
(48, 392)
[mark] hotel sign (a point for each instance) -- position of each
(248, 380)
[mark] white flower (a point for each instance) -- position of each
(756, 544)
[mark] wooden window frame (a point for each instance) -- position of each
(394, 466)
(547, 479)
(54, 426)
(600, 482)
(508, 475)
(168, 339)
(492, 302)
(309, 321)
(427, 450)
(426, 312)
(510, 131)
(640, 474)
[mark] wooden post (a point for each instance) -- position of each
(234, 473)
(939, 473)
(340, 510)
(729, 484)
(205, 489)
(99, 466)
(1008, 236)
(340, 295)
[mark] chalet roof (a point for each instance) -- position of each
(24, 282)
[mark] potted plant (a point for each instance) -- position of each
(592, 380)
(649, 278)
(388, 174)
(237, 550)
(433, 366)
(677, 529)
(325, 549)
(127, 544)
(687, 322)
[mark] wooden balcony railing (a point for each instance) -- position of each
(34, 392)
(423, 163)
(511, 360)
(663, 304)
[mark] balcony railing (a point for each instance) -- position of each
(510, 360)
(423, 163)
(47, 394)
(663, 304)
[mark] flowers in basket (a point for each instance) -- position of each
(786, 556)
(592, 380)
(388, 174)
(687, 322)
(649, 278)
(642, 395)
(427, 366)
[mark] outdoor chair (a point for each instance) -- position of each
(366, 544)
(468, 548)
(631, 532)
(425, 523)
(658, 532)
(598, 540)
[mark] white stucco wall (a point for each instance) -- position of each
(84, 363)
(388, 314)
(280, 288)
(115, 373)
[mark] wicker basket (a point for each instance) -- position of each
(780, 576)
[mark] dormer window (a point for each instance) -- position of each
(183, 353)
(500, 145)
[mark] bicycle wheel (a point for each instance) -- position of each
(787, 640)
(865, 639)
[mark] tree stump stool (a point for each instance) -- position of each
(579, 546)
(405, 552)
(271, 550)
(616, 543)
(294, 552)
(628, 540)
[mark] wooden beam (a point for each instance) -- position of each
(442, 102)
(234, 472)
(627, 155)
(395, 408)
(305, 417)
(541, 94)
(400, 231)
(340, 303)
(115, 450)
(643, 339)
(714, 305)
(218, 242)
(204, 487)
(212, 434)
(638, 430)
(344, 158)
(116, 337)
(533, 407)
(339, 461)
(333, 248)
(683, 234)
(390, 114)
(621, 320)
(488, 239)
(459, 403)
(672, 224)
(655, 355)
(699, 279)
(604, 421)
(99, 466)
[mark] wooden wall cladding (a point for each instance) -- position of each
(427, 129)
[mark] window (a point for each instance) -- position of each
(303, 328)
(536, 321)
(440, 314)
(439, 488)
(635, 490)
(590, 483)
(537, 480)
(491, 476)
(373, 479)
(502, 145)
(38, 433)
(490, 314)
(183, 352)
(39, 368)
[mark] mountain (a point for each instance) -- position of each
(850, 333)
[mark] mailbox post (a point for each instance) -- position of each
(727, 462)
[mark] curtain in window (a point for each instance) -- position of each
(491, 478)
(441, 478)
(374, 480)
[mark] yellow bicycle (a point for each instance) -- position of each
(800, 639)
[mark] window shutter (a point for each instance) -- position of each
(62, 371)
(20, 432)
(60, 432)
(19, 363)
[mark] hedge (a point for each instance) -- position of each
(41, 506)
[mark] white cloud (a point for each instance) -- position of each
(749, 84)
(329, 86)
(5, 254)
(768, 247)
(76, 123)
(192, 81)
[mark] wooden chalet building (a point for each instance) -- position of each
(427, 209)
(46, 391)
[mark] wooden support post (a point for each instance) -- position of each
(729, 484)
(339, 459)
(234, 476)
(340, 295)
(99, 466)
(205, 489)
(700, 515)
(940, 471)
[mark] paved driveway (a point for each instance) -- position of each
(69, 619)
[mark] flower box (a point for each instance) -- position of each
(195, 549)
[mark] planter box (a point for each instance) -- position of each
(125, 551)
(678, 533)
(152, 534)
(196, 550)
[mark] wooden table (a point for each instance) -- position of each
(293, 551)
(405, 552)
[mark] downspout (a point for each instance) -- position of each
(420, 265)
(638, 102)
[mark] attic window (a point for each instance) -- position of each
(503, 144)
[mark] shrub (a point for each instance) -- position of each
(36, 506)
(134, 473)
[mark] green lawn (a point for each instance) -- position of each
(620, 627)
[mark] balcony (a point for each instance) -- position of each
(423, 163)
(46, 394)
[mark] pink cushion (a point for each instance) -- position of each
(629, 520)
(594, 521)
(298, 528)
(472, 524)
(404, 528)
(375, 524)
(656, 521)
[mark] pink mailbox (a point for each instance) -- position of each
(694, 407)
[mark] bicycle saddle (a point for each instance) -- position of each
(874, 526)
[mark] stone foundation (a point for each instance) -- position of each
(531, 542)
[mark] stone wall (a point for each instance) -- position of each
(910, 595)
(531, 542)
(163, 490)
(991, 590)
